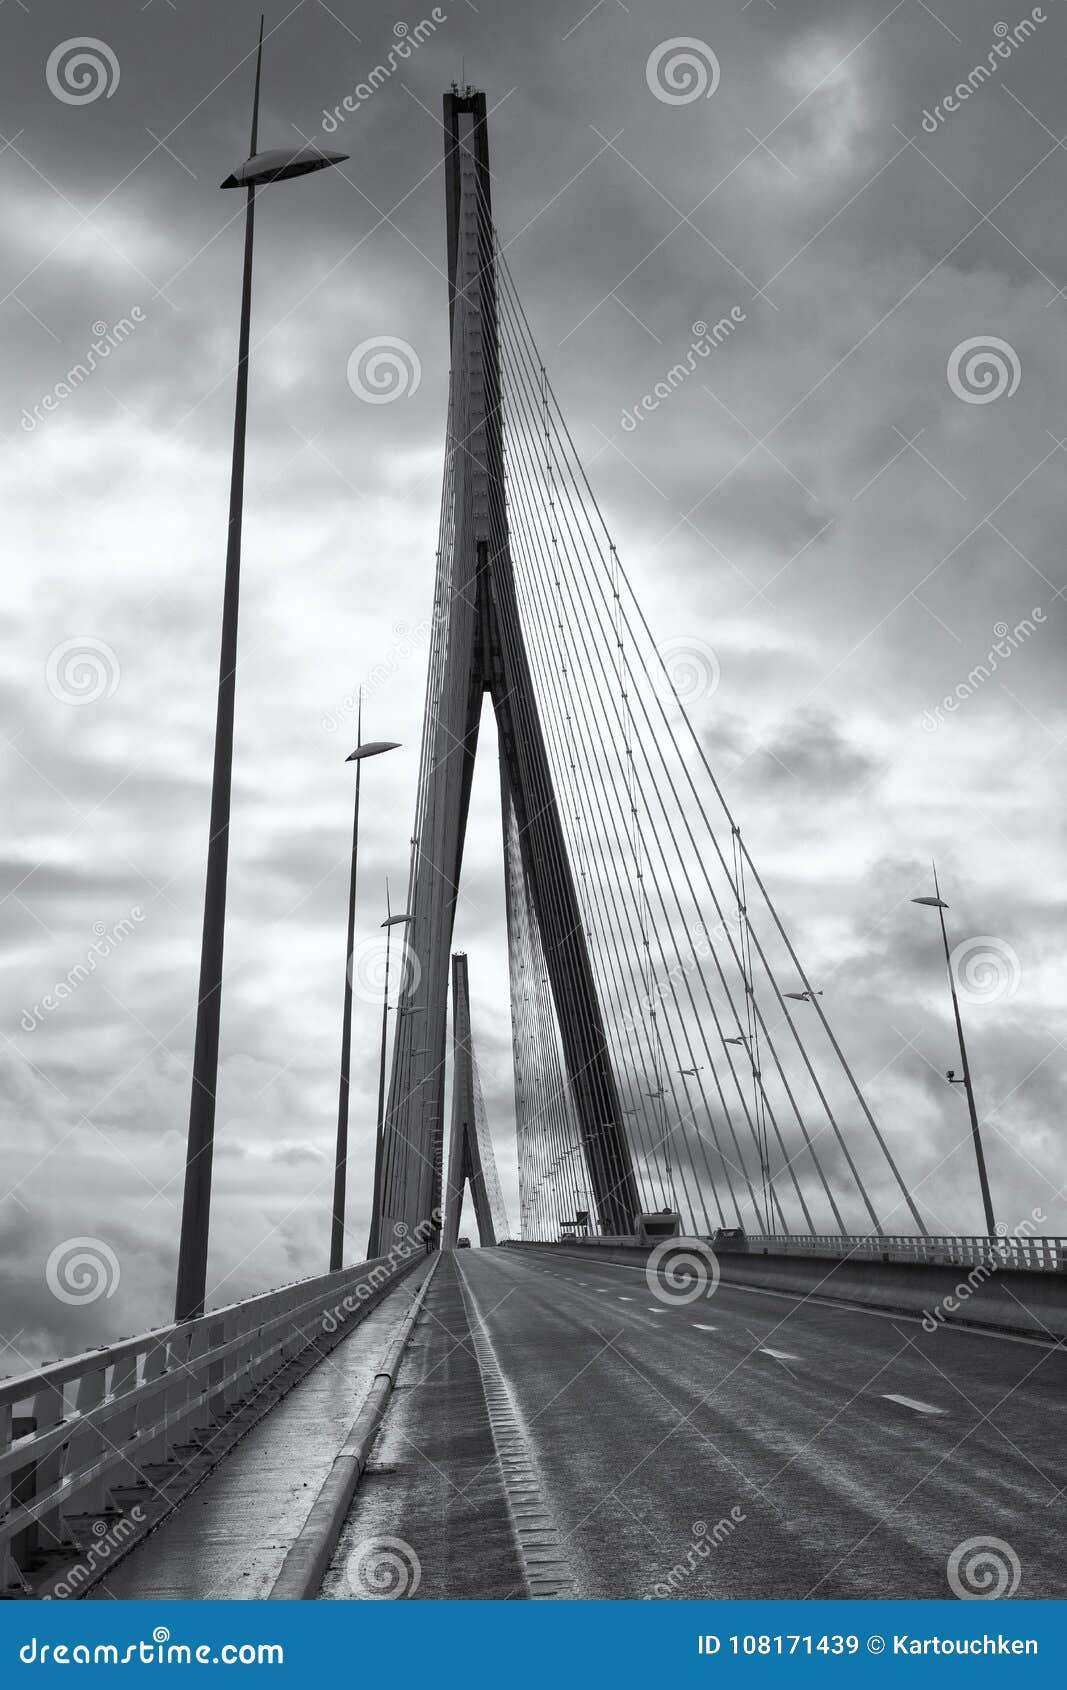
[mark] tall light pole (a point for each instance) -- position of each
(938, 903)
(373, 748)
(389, 923)
(259, 169)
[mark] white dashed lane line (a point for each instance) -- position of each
(779, 1355)
(698, 1328)
(910, 1402)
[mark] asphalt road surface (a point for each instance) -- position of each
(559, 1429)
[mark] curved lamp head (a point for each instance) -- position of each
(280, 164)
(934, 903)
(373, 748)
(395, 920)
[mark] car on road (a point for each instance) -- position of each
(463, 1243)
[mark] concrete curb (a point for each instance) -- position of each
(310, 1554)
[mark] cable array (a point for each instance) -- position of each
(708, 1041)
(741, 1110)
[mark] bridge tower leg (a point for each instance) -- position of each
(484, 652)
(465, 1151)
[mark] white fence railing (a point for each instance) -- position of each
(1040, 1253)
(77, 1435)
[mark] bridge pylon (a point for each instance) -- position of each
(471, 1160)
(478, 648)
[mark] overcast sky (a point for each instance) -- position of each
(838, 508)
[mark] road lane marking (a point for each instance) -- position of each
(625, 1299)
(910, 1402)
(698, 1328)
(652, 1310)
(779, 1355)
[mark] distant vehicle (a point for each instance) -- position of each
(463, 1243)
(730, 1238)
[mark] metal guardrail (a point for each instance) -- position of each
(1039, 1253)
(77, 1434)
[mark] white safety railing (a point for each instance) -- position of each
(77, 1434)
(1040, 1253)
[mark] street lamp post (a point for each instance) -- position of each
(389, 923)
(373, 748)
(938, 903)
(259, 169)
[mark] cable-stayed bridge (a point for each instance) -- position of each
(726, 1351)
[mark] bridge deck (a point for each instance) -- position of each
(747, 1445)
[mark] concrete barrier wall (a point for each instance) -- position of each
(1004, 1299)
